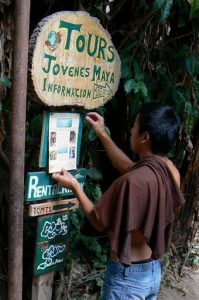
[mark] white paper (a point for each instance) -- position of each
(63, 134)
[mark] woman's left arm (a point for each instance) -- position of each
(65, 179)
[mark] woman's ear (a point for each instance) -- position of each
(146, 137)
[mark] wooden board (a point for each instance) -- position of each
(42, 286)
(40, 185)
(51, 207)
(73, 61)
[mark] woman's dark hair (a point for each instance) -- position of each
(163, 125)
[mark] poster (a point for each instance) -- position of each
(63, 141)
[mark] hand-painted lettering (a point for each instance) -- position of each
(70, 27)
(33, 185)
(92, 44)
(50, 58)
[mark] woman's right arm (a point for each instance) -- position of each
(118, 158)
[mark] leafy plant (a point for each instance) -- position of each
(5, 82)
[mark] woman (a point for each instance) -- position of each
(139, 205)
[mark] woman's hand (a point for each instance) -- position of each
(97, 122)
(65, 179)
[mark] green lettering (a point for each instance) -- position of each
(50, 58)
(63, 90)
(112, 78)
(102, 46)
(64, 70)
(70, 28)
(96, 73)
(103, 78)
(87, 72)
(72, 93)
(88, 93)
(55, 88)
(59, 89)
(76, 72)
(92, 53)
(56, 69)
(107, 75)
(80, 43)
(68, 91)
(82, 72)
(44, 85)
(111, 50)
(50, 87)
(70, 71)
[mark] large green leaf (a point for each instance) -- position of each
(137, 70)
(164, 6)
(143, 89)
(126, 70)
(5, 82)
(190, 64)
(94, 174)
(194, 12)
(129, 85)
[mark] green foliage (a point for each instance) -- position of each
(196, 261)
(94, 174)
(194, 9)
(164, 6)
(5, 82)
(85, 243)
(162, 64)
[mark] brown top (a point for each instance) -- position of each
(143, 199)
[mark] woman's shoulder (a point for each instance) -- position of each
(174, 171)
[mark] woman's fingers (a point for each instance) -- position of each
(56, 176)
(64, 178)
(93, 117)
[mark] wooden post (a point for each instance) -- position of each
(18, 125)
(42, 286)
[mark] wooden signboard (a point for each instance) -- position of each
(51, 243)
(51, 207)
(73, 61)
(40, 185)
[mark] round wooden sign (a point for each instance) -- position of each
(73, 61)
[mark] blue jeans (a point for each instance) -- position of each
(136, 282)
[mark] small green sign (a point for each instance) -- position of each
(40, 185)
(51, 243)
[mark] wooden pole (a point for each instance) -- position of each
(42, 286)
(18, 119)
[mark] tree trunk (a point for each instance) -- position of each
(187, 222)
(6, 29)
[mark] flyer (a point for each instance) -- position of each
(63, 141)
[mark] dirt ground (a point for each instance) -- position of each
(187, 288)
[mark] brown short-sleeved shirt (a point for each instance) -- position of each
(143, 199)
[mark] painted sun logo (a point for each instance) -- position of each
(53, 40)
